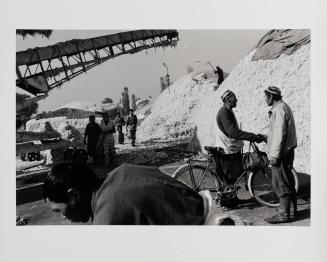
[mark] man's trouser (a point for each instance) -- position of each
(283, 181)
(109, 148)
(132, 135)
(232, 166)
(91, 148)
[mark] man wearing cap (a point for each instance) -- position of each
(281, 142)
(231, 141)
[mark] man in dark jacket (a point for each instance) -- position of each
(231, 138)
(91, 136)
(220, 74)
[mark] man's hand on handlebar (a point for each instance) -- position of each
(259, 138)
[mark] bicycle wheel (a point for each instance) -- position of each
(209, 182)
(260, 186)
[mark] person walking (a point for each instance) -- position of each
(119, 123)
(231, 141)
(91, 136)
(281, 142)
(131, 125)
(106, 140)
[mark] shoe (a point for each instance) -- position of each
(279, 218)
(293, 206)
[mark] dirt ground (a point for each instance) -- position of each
(168, 156)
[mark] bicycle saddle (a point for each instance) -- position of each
(211, 149)
(214, 150)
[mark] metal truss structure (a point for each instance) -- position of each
(42, 69)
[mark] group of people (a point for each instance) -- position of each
(136, 195)
(100, 138)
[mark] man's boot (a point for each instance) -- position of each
(283, 215)
(293, 206)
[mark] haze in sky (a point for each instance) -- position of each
(141, 72)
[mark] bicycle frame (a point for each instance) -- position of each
(196, 186)
(202, 176)
(218, 173)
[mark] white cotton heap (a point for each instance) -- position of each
(173, 112)
(248, 79)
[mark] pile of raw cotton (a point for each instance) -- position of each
(173, 112)
(143, 108)
(291, 73)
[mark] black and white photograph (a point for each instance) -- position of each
(163, 127)
(166, 131)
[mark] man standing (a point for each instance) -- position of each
(119, 123)
(131, 126)
(220, 74)
(107, 140)
(231, 141)
(281, 142)
(91, 136)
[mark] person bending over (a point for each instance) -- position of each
(129, 195)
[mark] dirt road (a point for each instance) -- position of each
(168, 156)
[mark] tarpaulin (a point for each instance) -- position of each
(277, 42)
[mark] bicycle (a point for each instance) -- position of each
(200, 177)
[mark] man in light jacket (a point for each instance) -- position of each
(281, 142)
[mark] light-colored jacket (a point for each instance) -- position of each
(108, 138)
(230, 145)
(281, 131)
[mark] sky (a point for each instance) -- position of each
(141, 72)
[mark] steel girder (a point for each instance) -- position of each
(42, 69)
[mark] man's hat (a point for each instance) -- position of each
(226, 93)
(273, 90)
